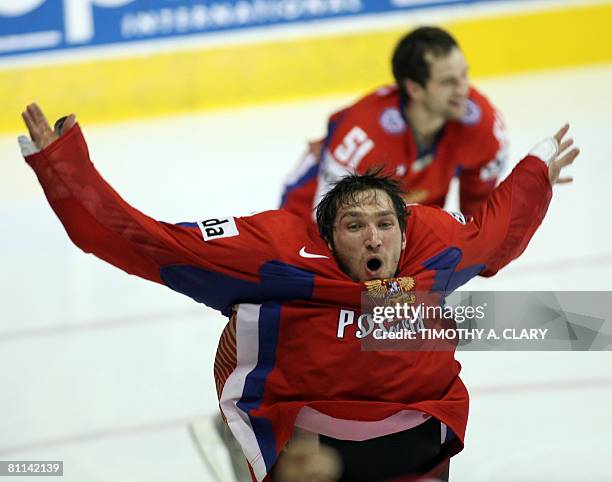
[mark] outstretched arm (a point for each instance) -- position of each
(505, 224)
(500, 231)
(99, 221)
(94, 216)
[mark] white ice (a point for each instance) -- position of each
(105, 371)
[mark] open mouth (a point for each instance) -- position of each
(374, 264)
(458, 103)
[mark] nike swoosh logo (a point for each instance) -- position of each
(305, 254)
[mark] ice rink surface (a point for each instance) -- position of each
(105, 371)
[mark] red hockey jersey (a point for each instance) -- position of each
(288, 345)
(374, 132)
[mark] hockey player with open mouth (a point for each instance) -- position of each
(283, 365)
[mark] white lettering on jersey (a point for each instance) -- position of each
(355, 145)
(218, 228)
(365, 324)
(491, 170)
(347, 317)
(329, 172)
(495, 166)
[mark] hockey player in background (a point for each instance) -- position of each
(289, 359)
(426, 129)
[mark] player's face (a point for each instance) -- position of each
(368, 240)
(447, 89)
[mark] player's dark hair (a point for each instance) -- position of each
(409, 60)
(344, 193)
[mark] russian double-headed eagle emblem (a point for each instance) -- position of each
(394, 290)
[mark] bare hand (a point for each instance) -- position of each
(563, 158)
(38, 126)
(307, 462)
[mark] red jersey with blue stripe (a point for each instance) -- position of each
(290, 344)
(374, 132)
